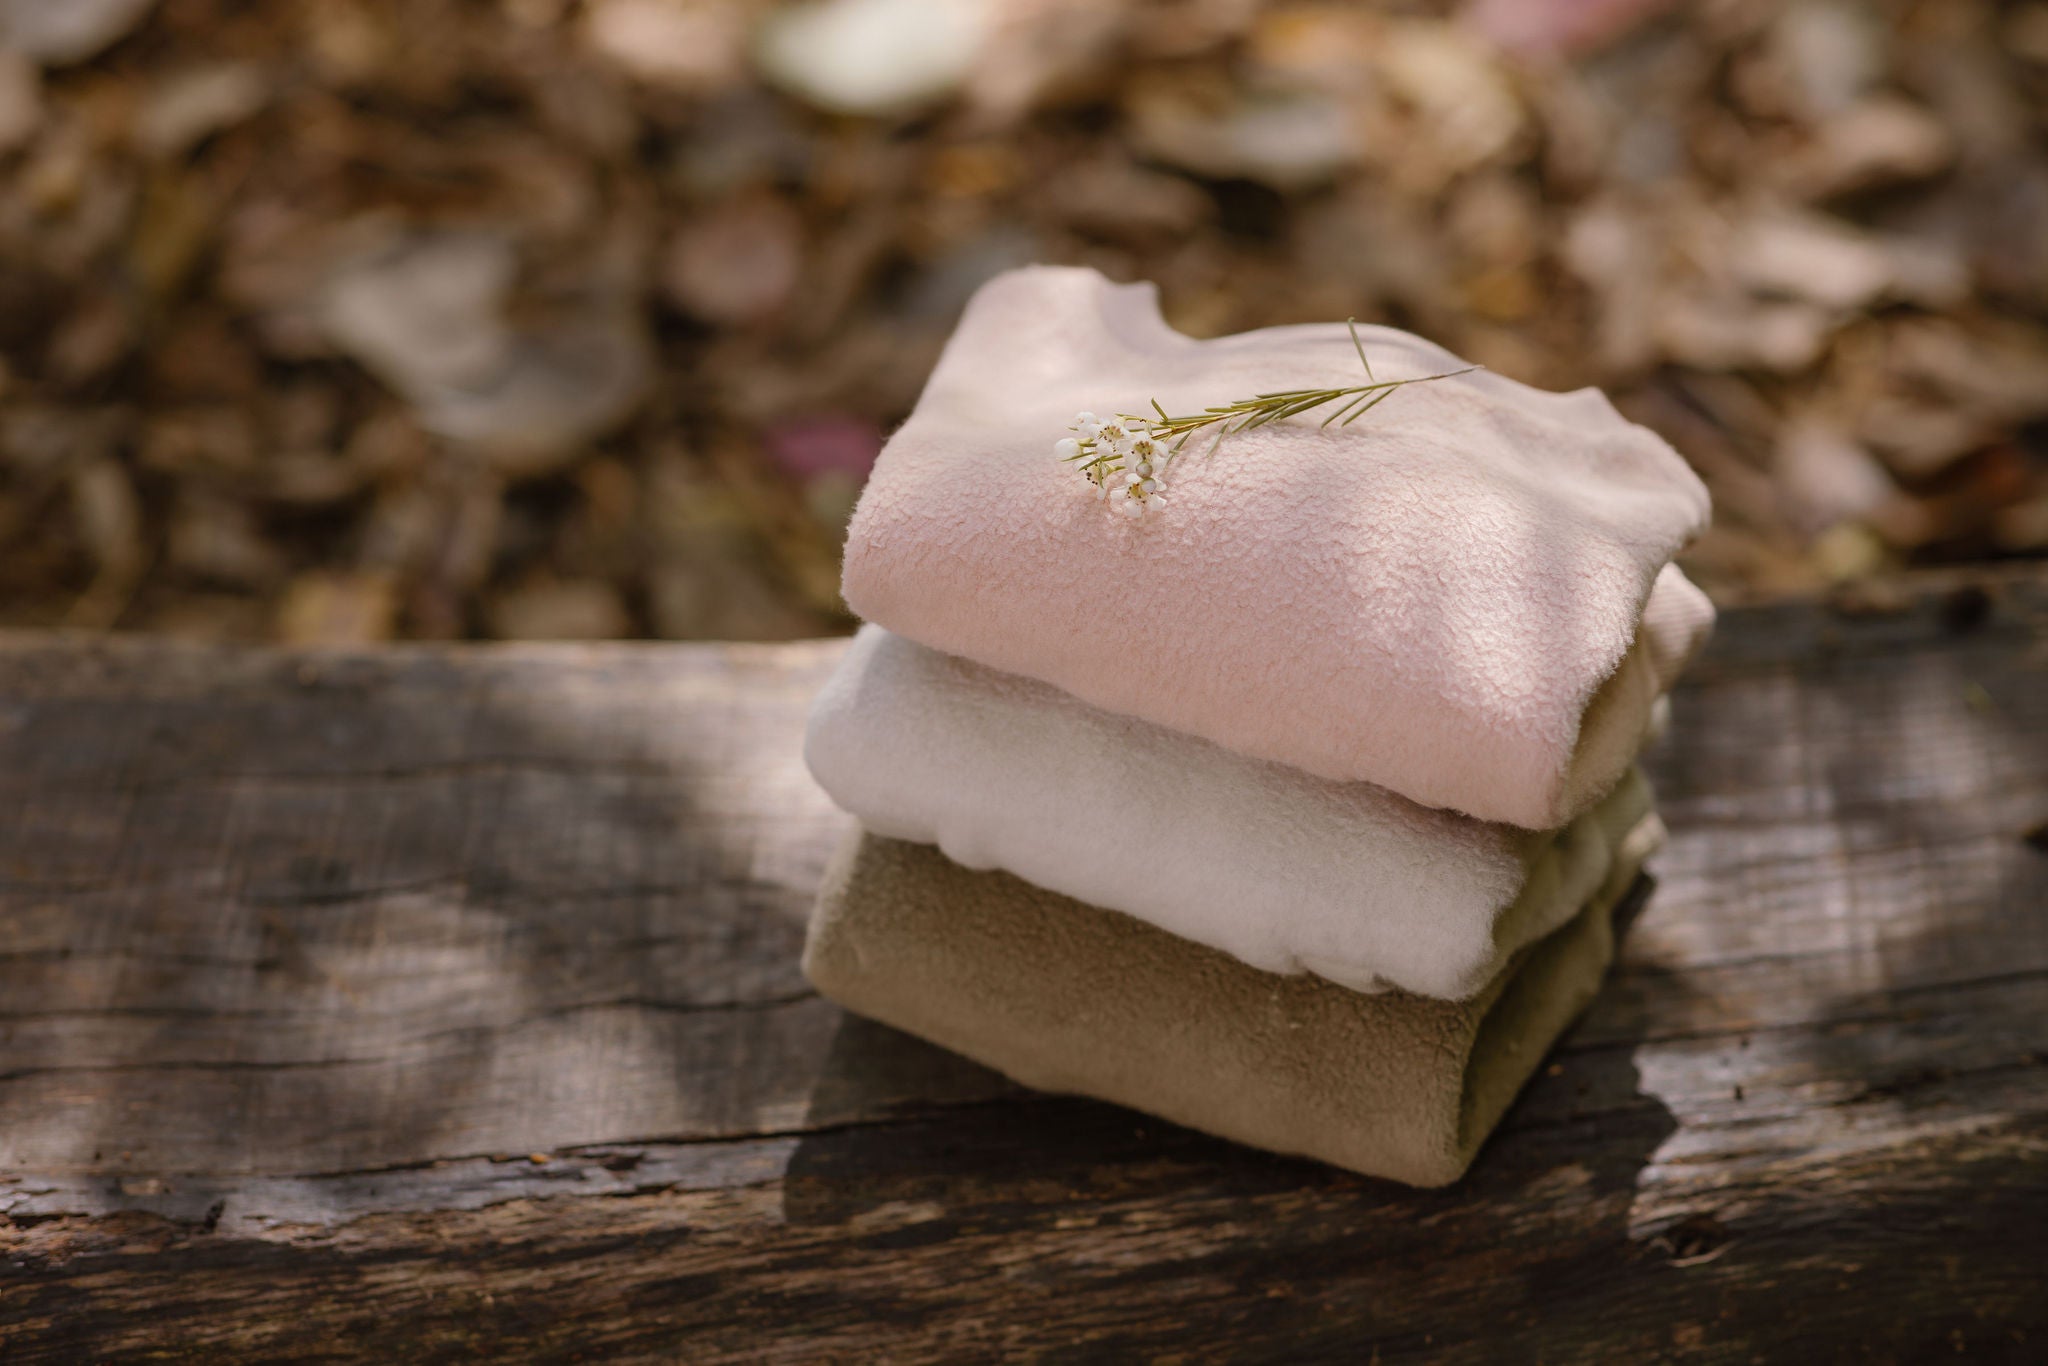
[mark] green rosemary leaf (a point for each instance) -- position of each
(1338, 412)
(1358, 346)
(1380, 397)
(1353, 402)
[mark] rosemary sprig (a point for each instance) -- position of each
(1103, 448)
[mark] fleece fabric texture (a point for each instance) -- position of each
(1066, 997)
(1429, 599)
(1285, 871)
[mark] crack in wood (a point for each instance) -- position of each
(543, 946)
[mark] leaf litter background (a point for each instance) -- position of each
(346, 320)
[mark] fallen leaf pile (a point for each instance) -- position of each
(345, 320)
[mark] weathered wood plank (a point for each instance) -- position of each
(305, 960)
(1074, 1230)
(317, 914)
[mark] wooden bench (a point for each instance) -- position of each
(442, 1003)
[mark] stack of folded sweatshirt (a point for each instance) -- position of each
(1293, 812)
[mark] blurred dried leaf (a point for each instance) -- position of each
(1466, 112)
(1829, 52)
(1827, 475)
(566, 609)
(21, 100)
(1039, 52)
(1920, 439)
(337, 609)
(1605, 246)
(1805, 256)
(701, 594)
(428, 315)
(872, 56)
(109, 517)
(1286, 139)
(690, 45)
(2001, 372)
(217, 540)
(92, 340)
(737, 264)
(189, 106)
(211, 440)
(109, 521)
(2026, 32)
(429, 310)
(2022, 528)
(172, 228)
(62, 32)
(1558, 28)
(348, 42)
(310, 478)
(388, 442)
(1878, 142)
(40, 441)
(1848, 551)
(1722, 333)
(201, 356)
(1126, 203)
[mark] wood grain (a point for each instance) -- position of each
(441, 1003)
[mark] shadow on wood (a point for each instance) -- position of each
(443, 1003)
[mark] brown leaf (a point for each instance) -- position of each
(737, 263)
(109, 517)
(188, 106)
(688, 45)
(1876, 143)
(559, 609)
(70, 31)
(216, 540)
(21, 100)
(337, 609)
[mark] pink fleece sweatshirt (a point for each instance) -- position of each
(1431, 599)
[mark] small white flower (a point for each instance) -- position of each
(1125, 461)
(1127, 456)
